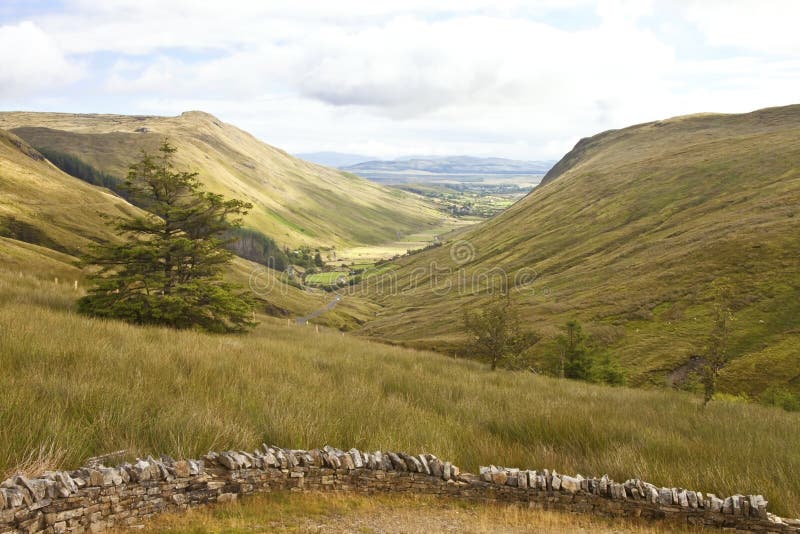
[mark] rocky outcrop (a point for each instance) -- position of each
(97, 497)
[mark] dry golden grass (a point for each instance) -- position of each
(320, 512)
(372, 253)
(87, 387)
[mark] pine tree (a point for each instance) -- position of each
(168, 268)
(716, 349)
(576, 361)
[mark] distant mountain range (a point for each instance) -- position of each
(428, 168)
(434, 168)
(333, 159)
(455, 165)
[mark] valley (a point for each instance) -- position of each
(671, 202)
(469, 188)
(630, 233)
(471, 201)
(491, 267)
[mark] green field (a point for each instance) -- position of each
(340, 278)
(327, 279)
(361, 267)
(479, 200)
(76, 387)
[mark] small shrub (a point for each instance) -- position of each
(779, 396)
(573, 353)
(606, 370)
(496, 333)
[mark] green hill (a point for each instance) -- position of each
(48, 218)
(41, 205)
(295, 202)
(629, 233)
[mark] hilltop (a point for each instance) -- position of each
(629, 233)
(295, 202)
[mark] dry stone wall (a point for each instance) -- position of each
(96, 498)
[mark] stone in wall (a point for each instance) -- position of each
(96, 497)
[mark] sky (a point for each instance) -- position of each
(505, 78)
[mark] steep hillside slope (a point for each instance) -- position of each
(40, 204)
(47, 218)
(629, 233)
(295, 202)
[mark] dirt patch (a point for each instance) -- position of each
(678, 376)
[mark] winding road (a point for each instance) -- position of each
(316, 313)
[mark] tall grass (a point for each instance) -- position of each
(80, 387)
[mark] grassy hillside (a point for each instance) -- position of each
(39, 204)
(295, 202)
(47, 218)
(629, 234)
(76, 387)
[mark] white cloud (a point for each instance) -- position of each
(31, 62)
(144, 26)
(514, 85)
(769, 26)
(409, 66)
(504, 77)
